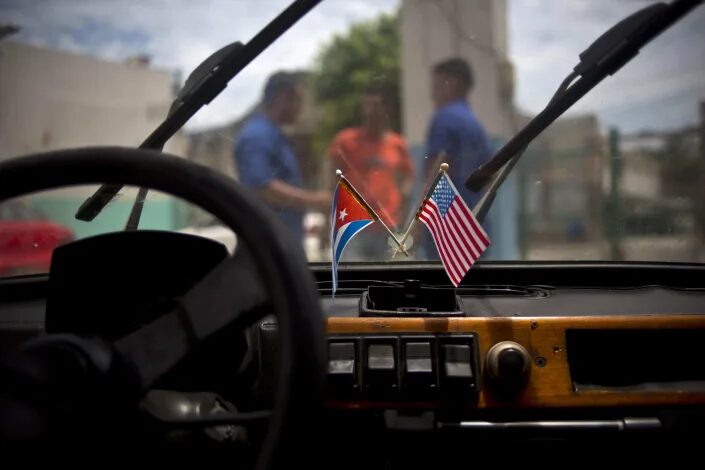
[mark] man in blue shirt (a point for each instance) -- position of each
(266, 162)
(455, 134)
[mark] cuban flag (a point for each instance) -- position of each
(348, 217)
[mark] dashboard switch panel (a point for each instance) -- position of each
(341, 359)
(457, 361)
(408, 367)
(381, 364)
(419, 365)
(459, 364)
(342, 368)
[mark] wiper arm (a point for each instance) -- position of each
(604, 57)
(205, 83)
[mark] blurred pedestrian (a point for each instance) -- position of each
(266, 162)
(455, 135)
(376, 161)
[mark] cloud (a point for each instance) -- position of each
(545, 38)
(179, 34)
(660, 88)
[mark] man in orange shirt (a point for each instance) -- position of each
(377, 163)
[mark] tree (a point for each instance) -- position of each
(366, 56)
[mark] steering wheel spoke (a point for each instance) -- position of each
(232, 291)
(237, 292)
(232, 294)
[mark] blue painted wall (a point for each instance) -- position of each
(159, 213)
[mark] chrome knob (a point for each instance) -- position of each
(508, 365)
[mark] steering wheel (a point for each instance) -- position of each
(271, 277)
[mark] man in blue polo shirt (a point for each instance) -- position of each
(455, 134)
(266, 162)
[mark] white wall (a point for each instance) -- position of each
(51, 99)
(433, 30)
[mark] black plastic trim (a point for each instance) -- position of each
(597, 274)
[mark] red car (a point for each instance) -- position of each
(27, 239)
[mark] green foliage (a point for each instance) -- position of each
(365, 56)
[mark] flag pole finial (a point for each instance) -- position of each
(443, 169)
(338, 173)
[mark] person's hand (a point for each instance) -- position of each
(322, 200)
(406, 188)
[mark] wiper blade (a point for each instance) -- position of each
(205, 83)
(604, 57)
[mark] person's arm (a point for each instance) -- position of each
(406, 168)
(253, 157)
(334, 162)
(439, 136)
(485, 148)
(328, 173)
(278, 193)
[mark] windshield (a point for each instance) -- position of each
(384, 91)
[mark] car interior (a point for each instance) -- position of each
(256, 355)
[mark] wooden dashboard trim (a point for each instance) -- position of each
(550, 385)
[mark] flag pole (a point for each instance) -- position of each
(441, 171)
(358, 196)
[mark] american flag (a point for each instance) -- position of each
(458, 236)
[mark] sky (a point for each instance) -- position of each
(659, 89)
(662, 85)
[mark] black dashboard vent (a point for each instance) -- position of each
(637, 359)
(410, 299)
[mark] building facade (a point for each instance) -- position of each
(51, 99)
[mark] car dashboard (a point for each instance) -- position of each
(578, 343)
(536, 354)
(554, 357)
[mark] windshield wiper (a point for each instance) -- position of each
(604, 57)
(205, 83)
